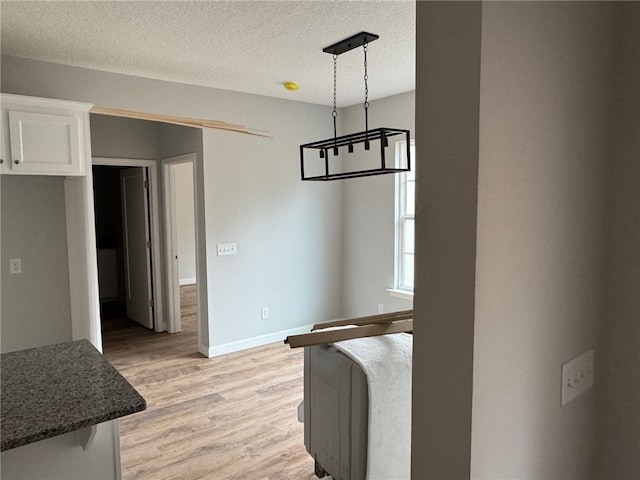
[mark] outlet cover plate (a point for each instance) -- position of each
(15, 265)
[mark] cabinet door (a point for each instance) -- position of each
(5, 157)
(43, 143)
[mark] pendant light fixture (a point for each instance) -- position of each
(337, 154)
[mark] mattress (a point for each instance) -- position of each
(336, 408)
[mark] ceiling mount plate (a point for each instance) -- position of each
(350, 43)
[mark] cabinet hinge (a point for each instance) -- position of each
(151, 302)
(146, 184)
(148, 243)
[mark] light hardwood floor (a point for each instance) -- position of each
(231, 417)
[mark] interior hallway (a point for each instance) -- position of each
(229, 417)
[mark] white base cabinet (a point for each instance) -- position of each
(41, 136)
(62, 457)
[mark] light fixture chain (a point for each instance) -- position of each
(366, 78)
(334, 113)
(366, 90)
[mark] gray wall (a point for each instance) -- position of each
(124, 138)
(289, 233)
(35, 304)
(554, 112)
(177, 140)
(447, 107)
(544, 139)
(619, 369)
(369, 216)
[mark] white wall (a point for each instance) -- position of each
(183, 176)
(369, 215)
(288, 232)
(35, 304)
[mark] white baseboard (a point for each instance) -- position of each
(231, 347)
(187, 281)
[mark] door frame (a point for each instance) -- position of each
(174, 323)
(154, 218)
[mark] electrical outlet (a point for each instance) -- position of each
(577, 376)
(380, 308)
(227, 249)
(264, 313)
(15, 265)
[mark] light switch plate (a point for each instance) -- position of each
(227, 249)
(577, 376)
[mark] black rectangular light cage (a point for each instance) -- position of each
(332, 145)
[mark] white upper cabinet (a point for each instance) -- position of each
(44, 137)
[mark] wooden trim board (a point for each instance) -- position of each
(380, 318)
(175, 120)
(371, 326)
(348, 333)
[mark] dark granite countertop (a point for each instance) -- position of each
(48, 391)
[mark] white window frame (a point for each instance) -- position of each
(400, 288)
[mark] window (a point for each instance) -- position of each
(405, 220)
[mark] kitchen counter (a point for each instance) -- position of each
(57, 389)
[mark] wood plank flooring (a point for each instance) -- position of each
(226, 418)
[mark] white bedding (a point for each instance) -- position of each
(386, 360)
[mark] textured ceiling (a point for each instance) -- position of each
(247, 46)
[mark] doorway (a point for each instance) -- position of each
(181, 240)
(129, 266)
